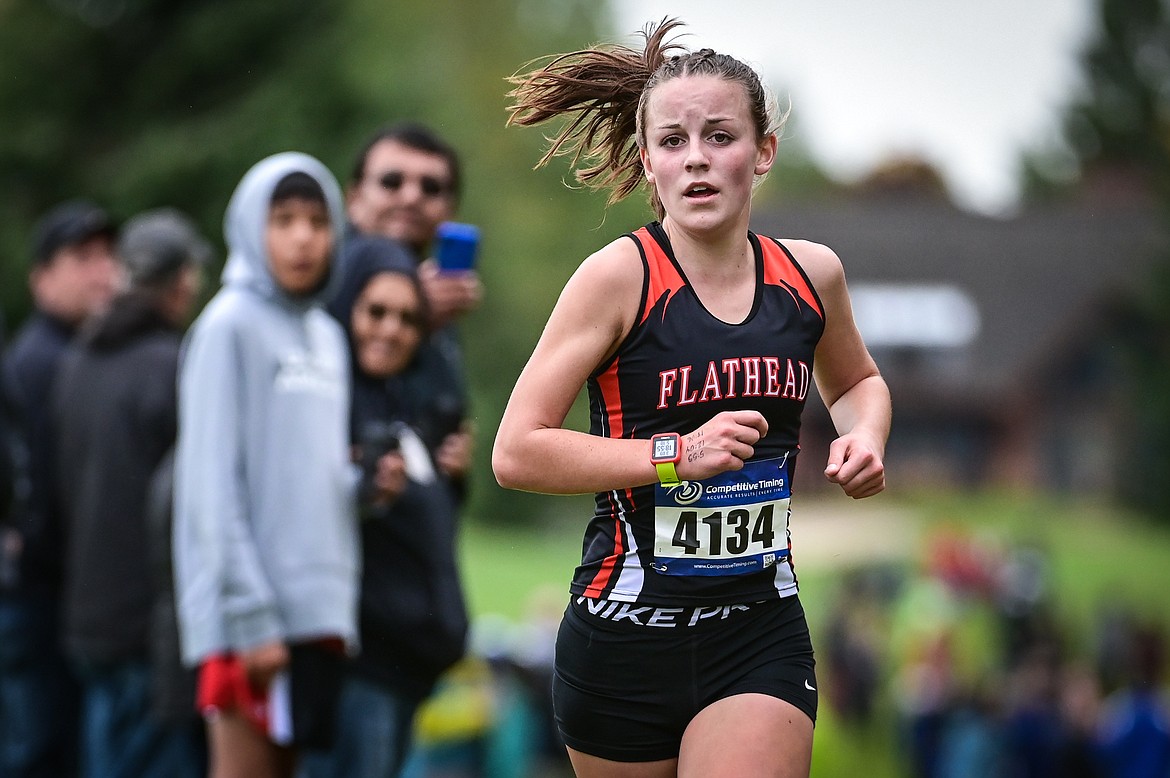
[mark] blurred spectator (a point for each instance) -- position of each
(265, 539)
(13, 481)
(413, 621)
(115, 411)
(1079, 701)
(1022, 598)
(1135, 723)
(961, 562)
(73, 276)
(531, 663)
(927, 688)
(850, 653)
(172, 692)
(405, 182)
(971, 743)
(456, 725)
(491, 715)
(1033, 726)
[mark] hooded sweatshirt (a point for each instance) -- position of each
(265, 540)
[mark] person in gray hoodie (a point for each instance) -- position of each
(265, 540)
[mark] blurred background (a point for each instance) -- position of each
(996, 179)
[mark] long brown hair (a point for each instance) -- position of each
(605, 89)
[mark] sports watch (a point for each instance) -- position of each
(665, 453)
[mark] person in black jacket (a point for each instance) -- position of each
(73, 277)
(13, 484)
(413, 620)
(115, 409)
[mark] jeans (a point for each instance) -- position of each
(372, 736)
(38, 694)
(122, 738)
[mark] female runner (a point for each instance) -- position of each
(684, 649)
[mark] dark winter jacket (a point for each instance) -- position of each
(412, 616)
(172, 683)
(31, 364)
(114, 406)
(14, 487)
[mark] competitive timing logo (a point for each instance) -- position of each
(685, 492)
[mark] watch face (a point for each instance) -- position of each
(665, 448)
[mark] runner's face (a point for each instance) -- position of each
(701, 150)
(405, 194)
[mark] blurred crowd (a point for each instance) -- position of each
(963, 662)
(227, 536)
(971, 660)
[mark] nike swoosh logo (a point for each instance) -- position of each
(809, 686)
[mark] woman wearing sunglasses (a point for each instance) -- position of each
(412, 618)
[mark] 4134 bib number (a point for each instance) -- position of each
(735, 531)
(732, 524)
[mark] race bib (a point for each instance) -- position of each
(732, 524)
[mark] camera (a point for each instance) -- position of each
(376, 440)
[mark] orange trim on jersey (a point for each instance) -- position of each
(611, 410)
(664, 277)
(601, 580)
(780, 270)
(611, 400)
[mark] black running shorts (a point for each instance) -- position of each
(629, 678)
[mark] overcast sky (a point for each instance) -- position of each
(966, 84)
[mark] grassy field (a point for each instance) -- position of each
(1096, 554)
(1095, 550)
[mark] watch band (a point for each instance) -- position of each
(667, 475)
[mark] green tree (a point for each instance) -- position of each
(1121, 119)
(1120, 124)
(138, 103)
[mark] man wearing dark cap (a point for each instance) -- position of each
(73, 276)
(115, 412)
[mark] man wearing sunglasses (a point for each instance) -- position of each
(404, 184)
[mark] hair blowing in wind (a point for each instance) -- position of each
(602, 89)
(605, 90)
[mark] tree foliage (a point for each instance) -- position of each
(1120, 125)
(1121, 118)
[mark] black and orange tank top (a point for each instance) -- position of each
(723, 540)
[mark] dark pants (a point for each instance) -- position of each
(39, 698)
(123, 738)
(372, 737)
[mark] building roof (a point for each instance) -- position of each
(1034, 278)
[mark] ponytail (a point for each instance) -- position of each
(603, 89)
